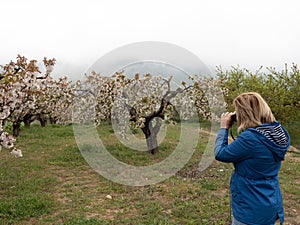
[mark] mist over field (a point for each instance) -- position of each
(221, 33)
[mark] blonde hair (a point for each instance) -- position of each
(252, 110)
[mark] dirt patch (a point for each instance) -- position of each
(221, 193)
(293, 149)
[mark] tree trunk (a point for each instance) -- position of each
(151, 140)
(52, 120)
(28, 119)
(43, 122)
(150, 133)
(16, 128)
(27, 123)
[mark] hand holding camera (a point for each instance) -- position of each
(227, 119)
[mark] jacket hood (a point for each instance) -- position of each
(275, 137)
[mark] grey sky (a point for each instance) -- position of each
(77, 33)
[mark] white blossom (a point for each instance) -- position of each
(17, 153)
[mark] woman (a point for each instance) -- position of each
(256, 155)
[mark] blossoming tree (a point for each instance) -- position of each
(144, 102)
(27, 94)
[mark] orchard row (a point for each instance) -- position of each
(29, 93)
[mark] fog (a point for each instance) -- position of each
(220, 33)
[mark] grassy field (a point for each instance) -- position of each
(53, 184)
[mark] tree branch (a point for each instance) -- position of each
(165, 101)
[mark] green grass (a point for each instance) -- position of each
(53, 184)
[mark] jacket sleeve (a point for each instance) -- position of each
(238, 150)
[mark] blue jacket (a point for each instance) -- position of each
(256, 155)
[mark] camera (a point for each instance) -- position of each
(232, 121)
(233, 118)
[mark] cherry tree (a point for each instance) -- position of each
(53, 101)
(27, 94)
(20, 90)
(13, 96)
(95, 96)
(145, 102)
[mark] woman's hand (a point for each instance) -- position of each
(226, 122)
